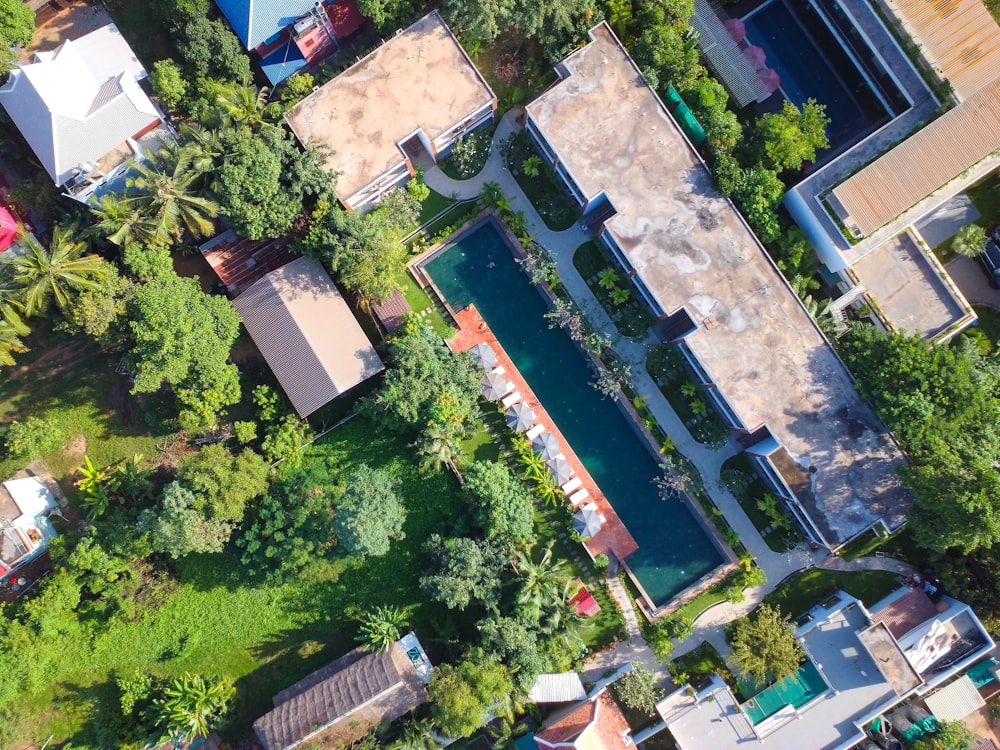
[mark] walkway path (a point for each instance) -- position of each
(562, 246)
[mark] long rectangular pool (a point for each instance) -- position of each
(480, 269)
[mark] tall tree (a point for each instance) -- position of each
(167, 193)
(178, 528)
(764, 646)
(225, 483)
(370, 516)
(542, 581)
(17, 23)
(785, 140)
(462, 696)
(970, 241)
(463, 571)
(53, 274)
(504, 508)
(123, 220)
(10, 344)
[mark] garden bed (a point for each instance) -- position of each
(665, 366)
(619, 298)
(741, 478)
(541, 184)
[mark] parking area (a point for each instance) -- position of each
(970, 278)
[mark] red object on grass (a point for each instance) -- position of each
(586, 605)
(8, 228)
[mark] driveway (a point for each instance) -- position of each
(943, 222)
(970, 278)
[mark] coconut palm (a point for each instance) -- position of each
(122, 220)
(11, 309)
(238, 105)
(416, 735)
(168, 194)
(191, 704)
(54, 273)
(541, 582)
(204, 146)
(10, 343)
(970, 241)
(438, 444)
(380, 628)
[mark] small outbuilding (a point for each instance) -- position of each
(307, 334)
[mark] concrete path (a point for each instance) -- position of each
(869, 563)
(945, 221)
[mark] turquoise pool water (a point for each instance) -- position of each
(796, 691)
(674, 550)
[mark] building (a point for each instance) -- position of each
(339, 703)
(25, 528)
(860, 665)
(757, 353)
(307, 334)
(81, 109)
(861, 211)
(403, 105)
(595, 724)
(289, 35)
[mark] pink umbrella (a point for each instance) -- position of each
(770, 79)
(756, 56)
(737, 30)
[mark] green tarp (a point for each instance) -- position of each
(682, 113)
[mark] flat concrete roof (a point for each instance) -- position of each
(890, 659)
(908, 288)
(420, 78)
(693, 251)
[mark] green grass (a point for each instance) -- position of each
(546, 192)
(807, 589)
(451, 221)
(431, 206)
(420, 301)
(72, 383)
(989, 323)
(701, 663)
(633, 318)
(985, 195)
(665, 366)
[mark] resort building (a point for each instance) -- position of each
(25, 528)
(307, 334)
(862, 210)
(596, 723)
(338, 704)
(83, 112)
(290, 35)
(860, 666)
(758, 355)
(402, 106)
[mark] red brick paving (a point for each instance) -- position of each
(613, 538)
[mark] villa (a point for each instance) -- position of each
(861, 665)
(25, 528)
(757, 353)
(82, 110)
(404, 105)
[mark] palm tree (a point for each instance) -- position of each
(417, 735)
(10, 343)
(241, 105)
(54, 273)
(204, 146)
(439, 446)
(380, 628)
(11, 308)
(970, 241)
(191, 704)
(123, 221)
(542, 582)
(168, 195)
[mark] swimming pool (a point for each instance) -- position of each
(813, 62)
(797, 691)
(674, 549)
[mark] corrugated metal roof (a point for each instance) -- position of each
(955, 701)
(256, 21)
(922, 163)
(557, 688)
(959, 36)
(310, 338)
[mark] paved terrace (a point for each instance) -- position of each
(613, 538)
(693, 251)
(419, 79)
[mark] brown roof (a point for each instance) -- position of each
(239, 262)
(597, 724)
(308, 335)
(905, 613)
(391, 312)
(959, 37)
(345, 702)
(924, 162)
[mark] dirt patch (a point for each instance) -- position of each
(77, 446)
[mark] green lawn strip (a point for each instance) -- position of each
(431, 206)
(420, 301)
(989, 323)
(633, 318)
(456, 216)
(701, 663)
(72, 383)
(805, 590)
(985, 196)
(546, 191)
(479, 447)
(665, 366)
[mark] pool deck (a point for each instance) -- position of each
(613, 538)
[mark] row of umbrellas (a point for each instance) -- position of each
(521, 417)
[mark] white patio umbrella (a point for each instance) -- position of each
(520, 417)
(496, 386)
(546, 445)
(587, 521)
(560, 469)
(484, 355)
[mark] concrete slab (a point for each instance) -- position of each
(944, 222)
(971, 279)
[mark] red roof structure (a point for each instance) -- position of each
(598, 723)
(9, 228)
(586, 604)
(344, 17)
(239, 262)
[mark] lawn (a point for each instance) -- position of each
(72, 383)
(421, 302)
(431, 206)
(807, 589)
(545, 190)
(632, 317)
(264, 635)
(701, 663)
(665, 365)
(989, 323)
(985, 195)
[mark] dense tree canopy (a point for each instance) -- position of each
(764, 646)
(17, 23)
(179, 528)
(463, 571)
(463, 695)
(225, 483)
(370, 515)
(787, 139)
(504, 508)
(212, 49)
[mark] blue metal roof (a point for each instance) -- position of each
(282, 62)
(256, 21)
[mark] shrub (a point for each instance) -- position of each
(168, 83)
(31, 437)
